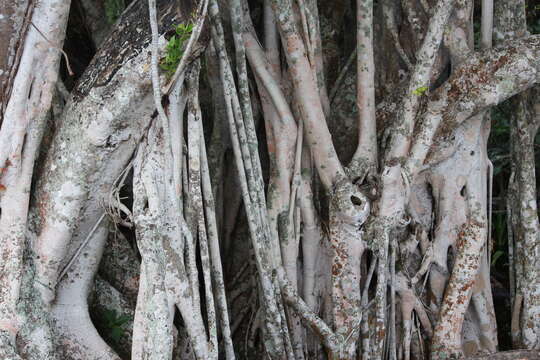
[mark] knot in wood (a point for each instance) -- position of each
(349, 204)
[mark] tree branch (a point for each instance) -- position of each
(485, 80)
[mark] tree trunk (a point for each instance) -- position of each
(243, 190)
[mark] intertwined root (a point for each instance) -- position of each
(421, 288)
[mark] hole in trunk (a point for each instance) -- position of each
(356, 201)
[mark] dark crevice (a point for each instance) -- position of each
(78, 45)
(356, 201)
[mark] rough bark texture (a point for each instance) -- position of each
(269, 198)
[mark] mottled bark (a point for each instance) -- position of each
(525, 234)
(15, 17)
(27, 93)
(320, 260)
(527, 228)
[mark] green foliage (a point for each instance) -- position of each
(420, 91)
(476, 34)
(113, 10)
(500, 238)
(499, 140)
(533, 19)
(114, 324)
(534, 27)
(496, 255)
(175, 48)
(499, 153)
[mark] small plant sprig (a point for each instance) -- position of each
(115, 323)
(175, 48)
(420, 91)
(113, 10)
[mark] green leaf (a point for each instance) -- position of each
(109, 315)
(421, 90)
(496, 257)
(123, 319)
(113, 9)
(116, 334)
(174, 49)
